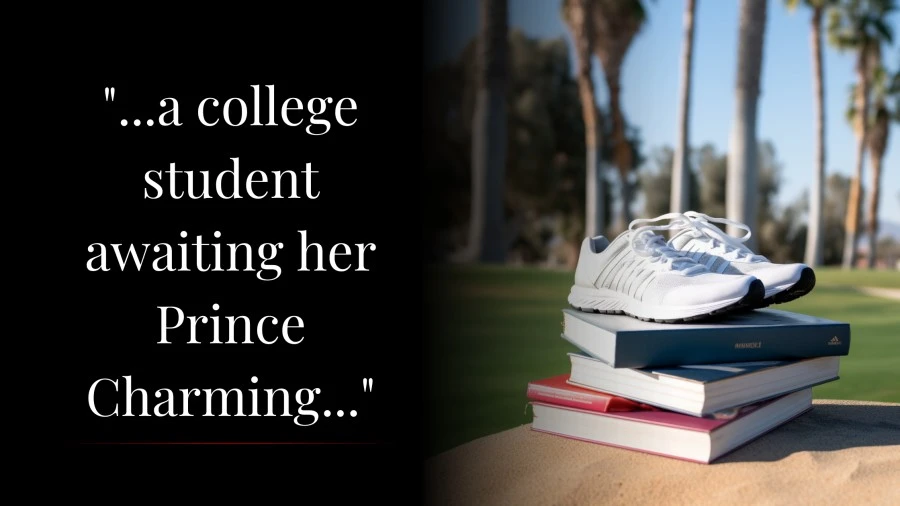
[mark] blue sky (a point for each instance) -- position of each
(651, 73)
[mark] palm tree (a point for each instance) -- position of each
(859, 25)
(487, 240)
(740, 199)
(680, 196)
(577, 14)
(815, 237)
(615, 24)
(877, 143)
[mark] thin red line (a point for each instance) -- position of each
(229, 443)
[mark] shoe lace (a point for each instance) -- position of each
(644, 242)
(731, 247)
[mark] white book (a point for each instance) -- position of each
(702, 390)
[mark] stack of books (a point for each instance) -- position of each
(690, 391)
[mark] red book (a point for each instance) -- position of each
(566, 410)
(556, 390)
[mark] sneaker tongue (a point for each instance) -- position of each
(657, 245)
(683, 263)
(681, 239)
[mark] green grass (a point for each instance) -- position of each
(835, 276)
(497, 328)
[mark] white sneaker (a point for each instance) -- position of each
(638, 274)
(705, 243)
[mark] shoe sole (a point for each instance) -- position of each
(756, 292)
(803, 286)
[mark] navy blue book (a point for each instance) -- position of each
(710, 390)
(762, 334)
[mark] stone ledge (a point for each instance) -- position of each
(840, 452)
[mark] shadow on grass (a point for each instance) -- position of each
(827, 427)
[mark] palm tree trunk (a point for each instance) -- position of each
(851, 223)
(582, 33)
(815, 238)
(680, 197)
(872, 225)
(487, 241)
(621, 148)
(862, 106)
(740, 188)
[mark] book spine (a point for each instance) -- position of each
(568, 398)
(695, 347)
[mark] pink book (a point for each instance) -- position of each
(557, 390)
(656, 431)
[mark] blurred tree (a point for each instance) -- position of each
(860, 26)
(545, 192)
(888, 251)
(615, 24)
(885, 86)
(895, 92)
(782, 236)
(709, 185)
(837, 192)
(446, 130)
(713, 173)
(656, 183)
(742, 150)
(487, 230)
(837, 188)
(768, 182)
(680, 196)
(815, 238)
(577, 14)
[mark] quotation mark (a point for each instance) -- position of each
(110, 93)
(367, 384)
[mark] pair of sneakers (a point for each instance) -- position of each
(701, 271)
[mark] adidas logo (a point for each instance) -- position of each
(834, 341)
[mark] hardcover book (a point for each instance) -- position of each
(702, 390)
(759, 335)
(670, 434)
(558, 390)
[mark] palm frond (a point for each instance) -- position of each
(879, 130)
(853, 24)
(850, 113)
(640, 13)
(894, 86)
(882, 28)
(880, 81)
